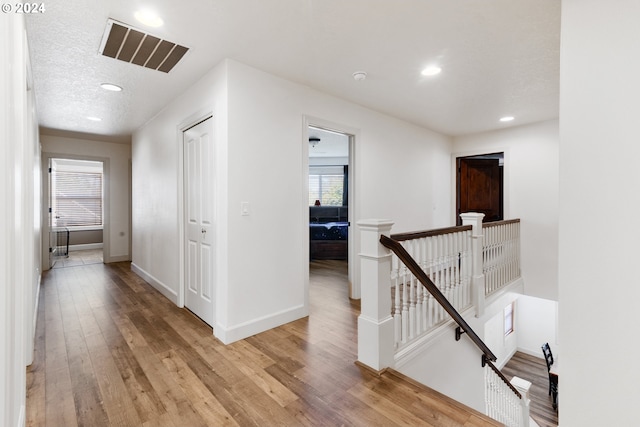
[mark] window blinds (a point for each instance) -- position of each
(78, 199)
(326, 184)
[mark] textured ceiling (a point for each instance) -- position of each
(499, 57)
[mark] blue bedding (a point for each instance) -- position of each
(329, 231)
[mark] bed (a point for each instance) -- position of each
(328, 232)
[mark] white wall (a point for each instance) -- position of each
(537, 323)
(117, 230)
(263, 257)
(156, 182)
(599, 203)
(19, 219)
(451, 367)
(531, 194)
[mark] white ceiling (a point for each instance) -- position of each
(331, 144)
(499, 57)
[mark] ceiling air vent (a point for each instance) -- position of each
(128, 44)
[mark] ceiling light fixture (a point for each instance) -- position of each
(313, 140)
(506, 119)
(94, 119)
(111, 87)
(359, 76)
(432, 70)
(149, 18)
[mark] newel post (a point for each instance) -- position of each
(523, 387)
(477, 278)
(375, 324)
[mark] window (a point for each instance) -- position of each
(326, 184)
(76, 190)
(509, 319)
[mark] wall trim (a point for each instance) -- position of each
(35, 317)
(262, 324)
(157, 284)
(85, 247)
(22, 416)
(119, 258)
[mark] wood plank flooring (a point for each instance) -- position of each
(112, 351)
(534, 369)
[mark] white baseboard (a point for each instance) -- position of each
(119, 258)
(157, 284)
(22, 418)
(255, 326)
(37, 303)
(85, 247)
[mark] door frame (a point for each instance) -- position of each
(505, 179)
(106, 203)
(189, 122)
(353, 200)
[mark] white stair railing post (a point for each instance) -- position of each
(523, 387)
(375, 323)
(477, 277)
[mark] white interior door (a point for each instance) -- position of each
(199, 217)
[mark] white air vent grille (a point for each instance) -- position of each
(128, 44)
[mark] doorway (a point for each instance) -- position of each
(330, 192)
(75, 211)
(480, 186)
(199, 213)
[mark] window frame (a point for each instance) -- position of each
(509, 317)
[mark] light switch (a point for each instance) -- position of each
(244, 208)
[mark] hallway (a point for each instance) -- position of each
(110, 350)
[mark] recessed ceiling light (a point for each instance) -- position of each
(506, 119)
(149, 18)
(359, 75)
(94, 119)
(111, 87)
(432, 70)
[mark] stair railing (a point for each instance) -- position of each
(422, 277)
(503, 401)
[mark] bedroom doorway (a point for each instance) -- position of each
(329, 201)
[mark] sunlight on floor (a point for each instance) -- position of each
(75, 258)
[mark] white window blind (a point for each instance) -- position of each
(78, 199)
(326, 185)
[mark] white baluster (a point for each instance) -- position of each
(397, 314)
(405, 304)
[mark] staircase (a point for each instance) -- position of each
(432, 275)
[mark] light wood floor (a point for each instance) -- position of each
(534, 369)
(111, 351)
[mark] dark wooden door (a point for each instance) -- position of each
(479, 188)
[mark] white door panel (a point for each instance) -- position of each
(199, 217)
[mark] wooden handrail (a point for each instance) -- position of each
(411, 264)
(502, 377)
(429, 233)
(496, 223)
